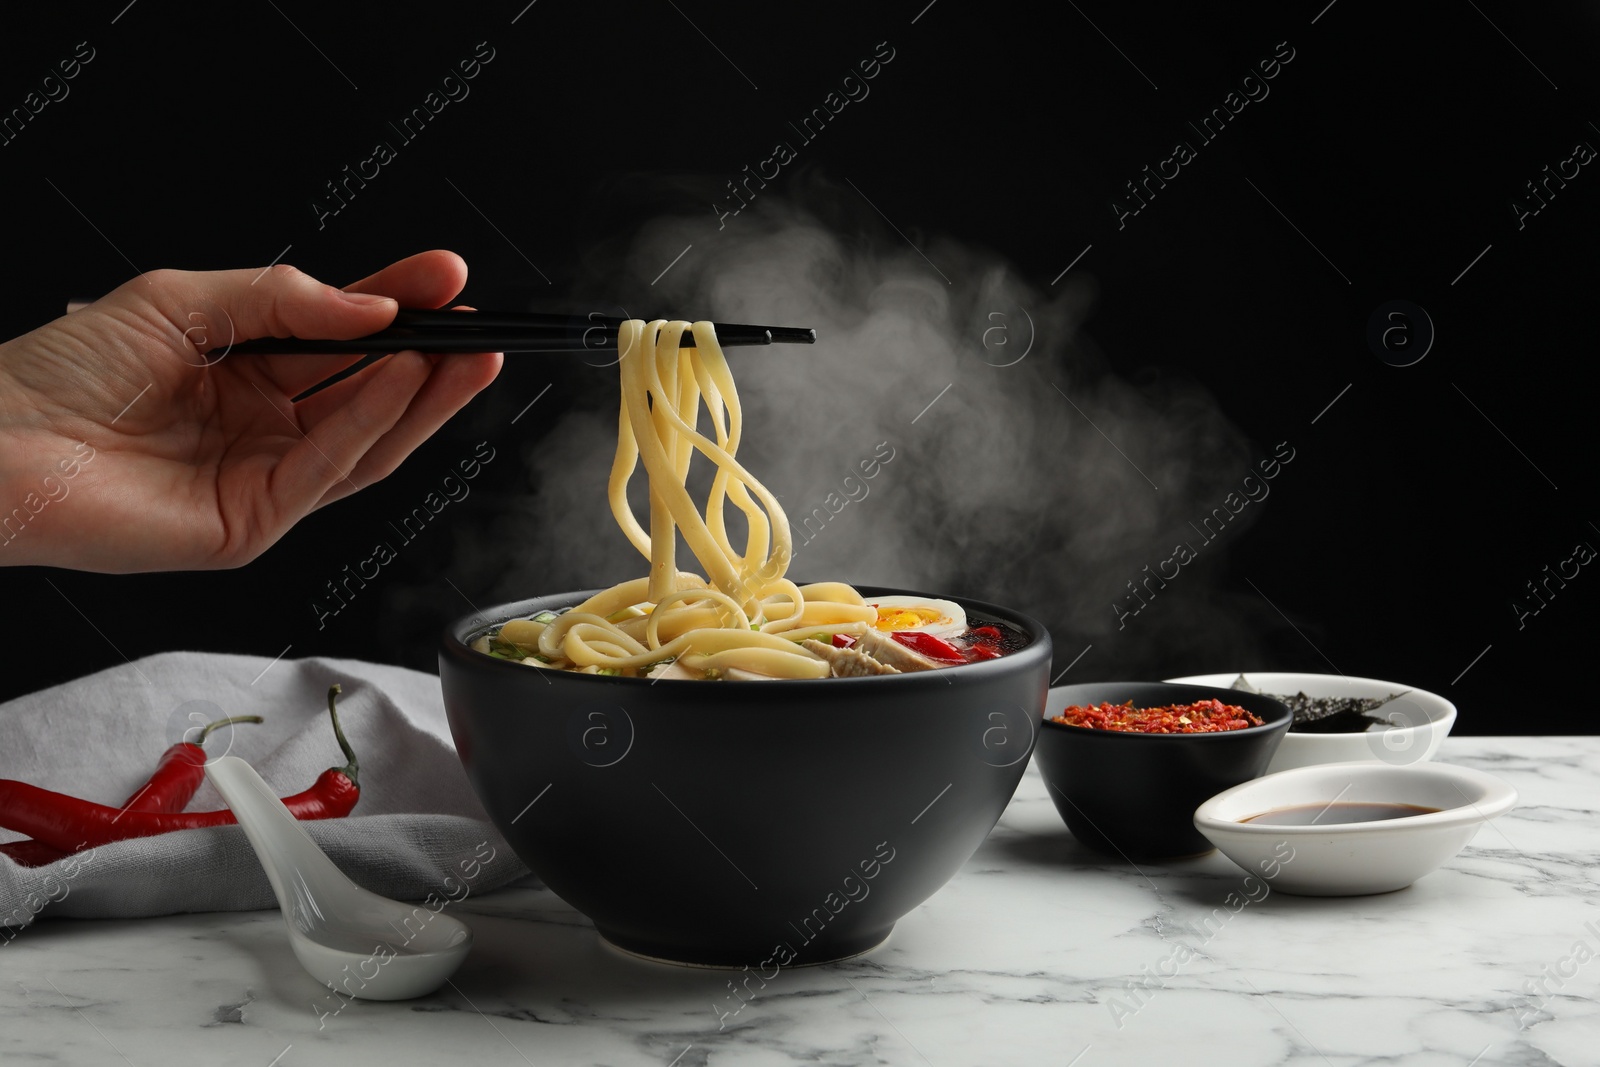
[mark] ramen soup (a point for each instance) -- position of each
(876, 648)
(742, 619)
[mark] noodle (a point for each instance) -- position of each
(744, 615)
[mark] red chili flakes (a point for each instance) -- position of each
(1201, 717)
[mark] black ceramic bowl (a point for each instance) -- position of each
(1133, 794)
(759, 823)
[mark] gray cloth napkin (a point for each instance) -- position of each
(417, 830)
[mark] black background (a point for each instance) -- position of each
(1422, 501)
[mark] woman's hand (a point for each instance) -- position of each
(122, 449)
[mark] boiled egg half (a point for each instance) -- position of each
(941, 618)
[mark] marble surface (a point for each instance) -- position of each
(1027, 957)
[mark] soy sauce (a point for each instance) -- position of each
(1331, 814)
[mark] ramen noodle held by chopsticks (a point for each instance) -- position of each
(744, 619)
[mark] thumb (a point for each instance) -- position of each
(239, 305)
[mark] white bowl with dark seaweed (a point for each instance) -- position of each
(1340, 718)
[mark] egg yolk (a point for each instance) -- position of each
(891, 619)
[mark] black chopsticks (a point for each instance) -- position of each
(426, 330)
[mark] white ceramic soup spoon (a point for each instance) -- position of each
(354, 941)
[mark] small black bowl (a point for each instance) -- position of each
(755, 823)
(1134, 794)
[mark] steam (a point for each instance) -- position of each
(1001, 490)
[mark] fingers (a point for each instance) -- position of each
(388, 394)
(326, 459)
(454, 380)
(425, 280)
(278, 302)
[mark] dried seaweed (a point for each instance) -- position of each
(1328, 715)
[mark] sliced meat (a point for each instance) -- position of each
(885, 649)
(847, 662)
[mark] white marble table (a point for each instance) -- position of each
(1025, 957)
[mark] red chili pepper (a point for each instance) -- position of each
(179, 773)
(982, 642)
(929, 645)
(69, 823)
(844, 641)
(170, 787)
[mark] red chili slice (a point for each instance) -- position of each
(929, 645)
